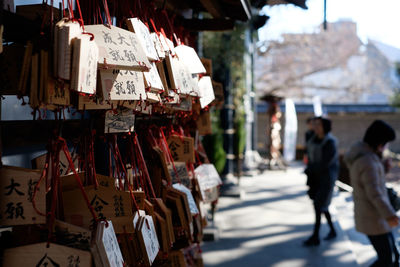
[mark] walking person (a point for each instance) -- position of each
(374, 216)
(322, 171)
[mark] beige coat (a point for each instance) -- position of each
(371, 202)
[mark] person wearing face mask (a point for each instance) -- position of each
(373, 214)
(322, 171)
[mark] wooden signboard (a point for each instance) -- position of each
(41, 255)
(122, 84)
(206, 91)
(143, 34)
(188, 56)
(16, 189)
(182, 148)
(118, 48)
(84, 64)
(119, 122)
(108, 203)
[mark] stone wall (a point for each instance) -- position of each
(347, 127)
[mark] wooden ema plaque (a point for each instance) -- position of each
(118, 48)
(16, 189)
(108, 203)
(106, 251)
(122, 84)
(40, 255)
(143, 34)
(182, 148)
(84, 64)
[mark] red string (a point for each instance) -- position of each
(78, 180)
(143, 163)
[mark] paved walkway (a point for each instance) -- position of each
(268, 225)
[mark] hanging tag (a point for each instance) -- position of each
(207, 176)
(189, 57)
(143, 34)
(148, 239)
(106, 243)
(179, 173)
(84, 64)
(122, 84)
(66, 31)
(192, 204)
(17, 187)
(158, 45)
(182, 148)
(206, 91)
(120, 122)
(108, 203)
(118, 48)
(152, 79)
(41, 255)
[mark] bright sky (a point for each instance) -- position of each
(378, 20)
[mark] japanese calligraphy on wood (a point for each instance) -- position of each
(106, 251)
(84, 64)
(118, 48)
(16, 189)
(40, 255)
(148, 238)
(181, 147)
(143, 34)
(122, 84)
(107, 203)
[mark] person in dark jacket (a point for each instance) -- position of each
(322, 171)
(373, 214)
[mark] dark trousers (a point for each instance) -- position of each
(386, 249)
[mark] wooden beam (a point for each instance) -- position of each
(213, 7)
(208, 24)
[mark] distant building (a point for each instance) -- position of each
(354, 80)
(332, 64)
